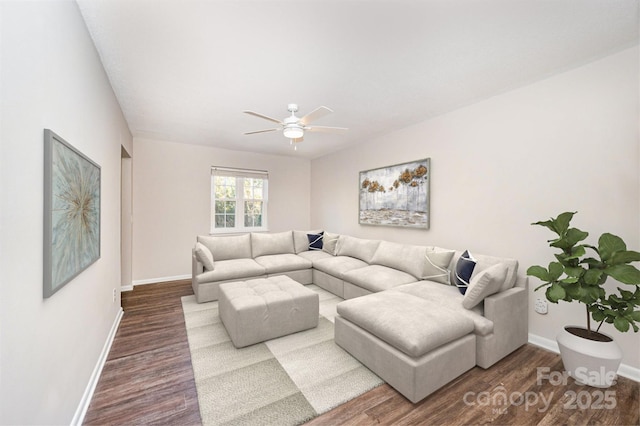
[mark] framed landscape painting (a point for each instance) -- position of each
(71, 212)
(396, 195)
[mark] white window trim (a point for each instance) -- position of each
(240, 175)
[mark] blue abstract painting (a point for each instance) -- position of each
(72, 213)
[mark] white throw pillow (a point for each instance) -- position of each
(436, 265)
(484, 284)
(204, 256)
(329, 242)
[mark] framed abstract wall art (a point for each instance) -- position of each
(71, 212)
(396, 195)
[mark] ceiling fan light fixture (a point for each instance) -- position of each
(293, 132)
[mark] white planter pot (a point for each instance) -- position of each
(589, 362)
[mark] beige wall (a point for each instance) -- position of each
(569, 142)
(172, 200)
(52, 78)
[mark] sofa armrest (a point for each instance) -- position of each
(196, 269)
(508, 310)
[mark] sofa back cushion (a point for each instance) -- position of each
(277, 243)
(357, 247)
(228, 247)
(403, 257)
(484, 262)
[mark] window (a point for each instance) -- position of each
(238, 200)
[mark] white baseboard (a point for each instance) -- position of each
(624, 370)
(81, 411)
(161, 280)
(126, 287)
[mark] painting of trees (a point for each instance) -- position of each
(396, 195)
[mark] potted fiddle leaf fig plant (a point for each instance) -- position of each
(579, 273)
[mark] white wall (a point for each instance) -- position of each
(172, 202)
(51, 77)
(569, 142)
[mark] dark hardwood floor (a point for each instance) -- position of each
(148, 379)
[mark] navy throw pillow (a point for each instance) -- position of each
(464, 269)
(315, 241)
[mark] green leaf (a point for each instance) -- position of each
(555, 292)
(574, 271)
(621, 324)
(626, 274)
(609, 244)
(636, 316)
(621, 257)
(538, 272)
(562, 222)
(598, 316)
(594, 292)
(570, 239)
(592, 276)
(547, 224)
(558, 225)
(577, 252)
(592, 262)
(626, 295)
(574, 291)
(555, 270)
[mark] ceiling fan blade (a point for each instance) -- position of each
(315, 114)
(325, 129)
(261, 131)
(266, 117)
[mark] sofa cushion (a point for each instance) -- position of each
(357, 247)
(463, 271)
(232, 269)
(330, 242)
(404, 257)
(314, 255)
(277, 243)
(300, 241)
(376, 278)
(449, 297)
(315, 241)
(436, 265)
(411, 324)
(204, 256)
(228, 247)
(484, 284)
(338, 265)
(276, 263)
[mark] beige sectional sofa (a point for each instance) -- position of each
(403, 318)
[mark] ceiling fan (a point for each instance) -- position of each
(293, 127)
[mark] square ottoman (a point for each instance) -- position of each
(256, 310)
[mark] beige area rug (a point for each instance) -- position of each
(285, 381)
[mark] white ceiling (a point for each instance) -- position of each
(184, 70)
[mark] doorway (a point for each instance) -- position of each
(126, 221)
